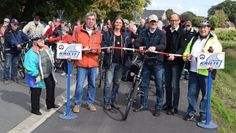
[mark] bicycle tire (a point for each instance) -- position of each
(131, 97)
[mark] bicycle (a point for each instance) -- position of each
(136, 67)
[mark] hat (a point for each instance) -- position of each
(204, 23)
(14, 21)
(153, 17)
(7, 20)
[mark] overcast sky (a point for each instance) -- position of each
(198, 7)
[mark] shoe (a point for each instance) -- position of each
(157, 113)
(15, 80)
(36, 112)
(54, 106)
(115, 105)
(202, 118)
(139, 109)
(107, 107)
(76, 109)
(63, 74)
(175, 111)
(6, 82)
(165, 107)
(170, 112)
(92, 107)
(189, 117)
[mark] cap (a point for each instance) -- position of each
(36, 18)
(204, 23)
(188, 23)
(14, 21)
(7, 20)
(153, 17)
(126, 21)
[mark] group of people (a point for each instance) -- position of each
(149, 37)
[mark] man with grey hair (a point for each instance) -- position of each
(90, 38)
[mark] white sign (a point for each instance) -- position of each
(71, 51)
(213, 60)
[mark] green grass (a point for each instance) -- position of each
(224, 87)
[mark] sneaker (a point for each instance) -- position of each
(202, 118)
(6, 82)
(189, 117)
(115, 105)
(139, 109)
(76, 109)
(15, 80)
(107, 107)
(91, 107)
(157, 113)
(63, 74)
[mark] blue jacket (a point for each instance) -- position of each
(13, 38)
(33, 68)
(107, 41)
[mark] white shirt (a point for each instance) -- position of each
(152, 31)
(89, 31)
(172, 30)
(196, 49)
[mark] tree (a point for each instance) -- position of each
(222, 17)
(214, 20)
(197, 19)
(228, 6)
(187, 16)
(168, 13)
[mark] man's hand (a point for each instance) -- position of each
(108, 50)
(151, 48)
(171, 57)
(18, 46)
(38, 79)
(189, 57)
(93, 51)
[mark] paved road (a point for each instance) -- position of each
(110, 121)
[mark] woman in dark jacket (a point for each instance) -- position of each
(114, 60)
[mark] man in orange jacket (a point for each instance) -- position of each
(90, 38)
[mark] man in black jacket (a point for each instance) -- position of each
(152, 39)
(173, 65)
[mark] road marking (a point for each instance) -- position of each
(33, 121)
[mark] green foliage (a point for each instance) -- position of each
(168, 13)
(229, 7)
(187, 16)
(226, 34)
(197, 19)
(214, 20)
(222, 17)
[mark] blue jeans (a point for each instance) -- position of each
(158, 71)
(196, 83)
(172, 79)
(112, 80)
(11, 61)
(82, 73)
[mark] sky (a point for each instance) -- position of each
(198, 7)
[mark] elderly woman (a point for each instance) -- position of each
(114, 60)
(38, 64)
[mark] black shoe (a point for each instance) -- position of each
(170, 112)
(157, 113)
(189, 117)
(175, 111)
(166, 107)
(107, 107)
(36, 112)
(139, 109)
(115, 105)
(54, 106)
(202, 118)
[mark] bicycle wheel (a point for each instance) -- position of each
(131, 96)
(21, 69)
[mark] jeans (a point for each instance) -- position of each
(11, 61)
(172, 79)
(158, 71)
(112, 80)
(82, 73)
(196, 83)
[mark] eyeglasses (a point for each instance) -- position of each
(174, 20)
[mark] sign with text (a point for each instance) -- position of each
(213, 60)
(69, 51)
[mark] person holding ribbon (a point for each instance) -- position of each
(152, 40)
(115, 57)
